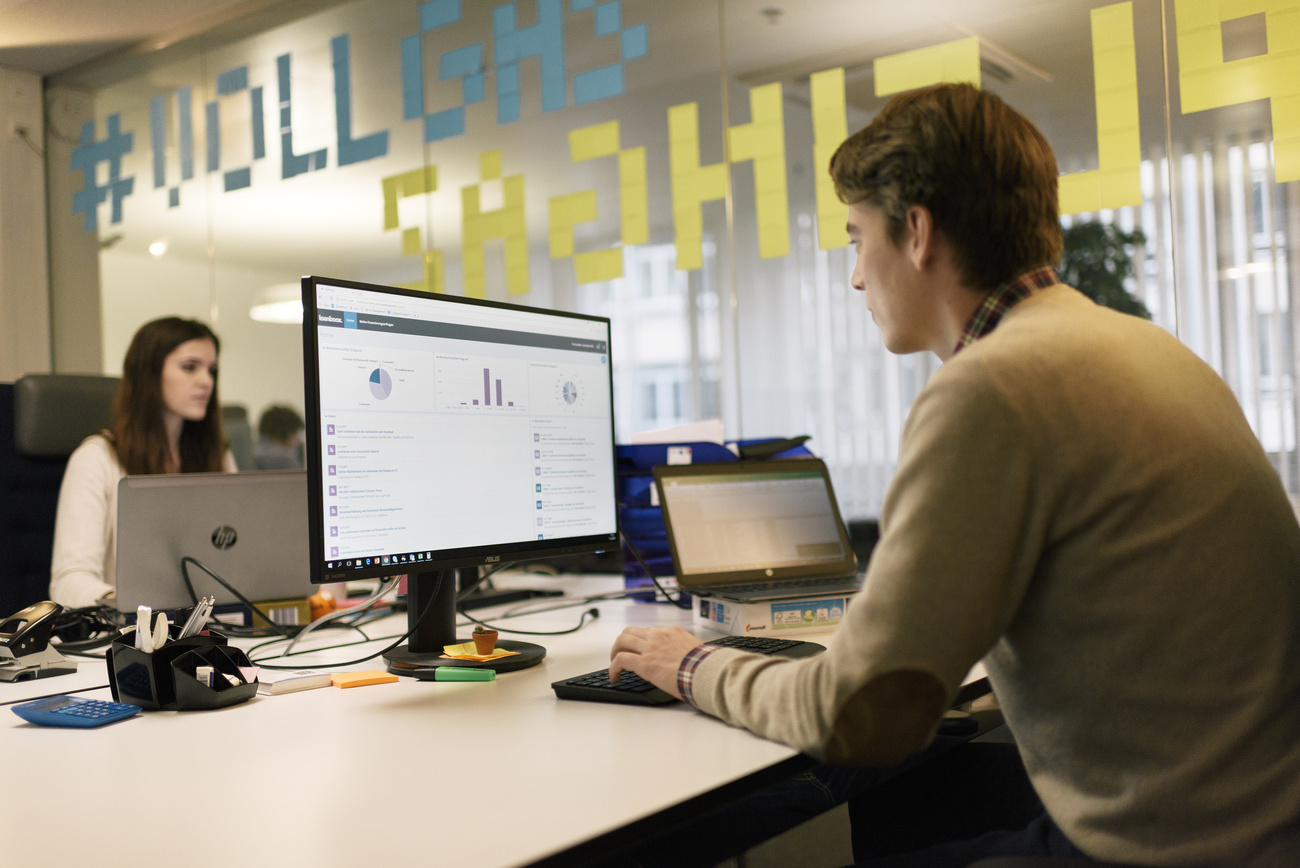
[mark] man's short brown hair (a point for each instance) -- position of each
(280, 423)
(983, 171)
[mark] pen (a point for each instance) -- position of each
(198, 617)
(209, 603)
(189, 621)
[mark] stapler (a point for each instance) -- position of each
(25, 650)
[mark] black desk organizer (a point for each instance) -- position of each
(165, 679)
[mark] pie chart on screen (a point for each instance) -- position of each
(381, 383)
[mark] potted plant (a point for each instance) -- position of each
(485, 641)
(1097, 261)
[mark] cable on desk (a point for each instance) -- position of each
(520, 611)
(678, 601)
(552, 604)
(463, 593)
(437, 586)
(592, 613)
(189, 586)
(360, 618)
(386, 586)
(87, 628)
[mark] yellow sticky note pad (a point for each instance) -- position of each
(361, 679)
(467, 651)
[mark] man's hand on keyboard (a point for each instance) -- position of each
(654, 653)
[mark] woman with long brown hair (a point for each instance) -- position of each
(167, 419)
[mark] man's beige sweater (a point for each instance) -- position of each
(1081, 503)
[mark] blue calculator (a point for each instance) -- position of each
(73, 711)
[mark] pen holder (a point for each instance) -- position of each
(165, 679)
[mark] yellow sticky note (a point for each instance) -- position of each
(1079, 192)
(948, 62)
(1207, 81)
(599, 265)
(1118, 179)
(565, 213)
(588, 143)
(635, 196)
(762, 140)
(467, 651)
(410, 241)
(361, 679)
(507, 223)
(414, 183)
(692, 184)
(830, 127)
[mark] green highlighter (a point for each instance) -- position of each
(463, 673)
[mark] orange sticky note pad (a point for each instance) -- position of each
(361, 679)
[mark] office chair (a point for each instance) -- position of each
(43, 417)
(239, 434)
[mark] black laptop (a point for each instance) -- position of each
(753, 531)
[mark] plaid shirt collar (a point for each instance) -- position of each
(999, 301)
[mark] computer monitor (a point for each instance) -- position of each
(447, 432)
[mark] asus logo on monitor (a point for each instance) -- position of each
(493, 559)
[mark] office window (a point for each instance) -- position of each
(658, 162)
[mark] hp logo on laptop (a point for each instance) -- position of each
(224, 537)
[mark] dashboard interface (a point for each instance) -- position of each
(447, 426)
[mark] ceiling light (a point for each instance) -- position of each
(281, 303)
(1239, 271)
(158, 248)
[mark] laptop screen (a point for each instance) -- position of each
(763, 518)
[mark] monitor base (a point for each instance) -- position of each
(418, 665)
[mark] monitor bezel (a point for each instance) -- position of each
(468, 556)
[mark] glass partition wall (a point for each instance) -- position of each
(662, 162)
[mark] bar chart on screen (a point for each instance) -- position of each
(481, 383)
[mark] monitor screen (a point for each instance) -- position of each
(446, 432)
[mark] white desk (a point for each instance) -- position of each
(422, 773)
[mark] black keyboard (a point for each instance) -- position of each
(635, 690)
(770, 645)
(595, 687)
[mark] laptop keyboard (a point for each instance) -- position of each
(635, 690)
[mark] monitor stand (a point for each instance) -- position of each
(433, 595)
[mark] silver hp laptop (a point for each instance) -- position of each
(248, 528)
(756, 530)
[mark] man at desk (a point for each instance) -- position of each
(1079, 502)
